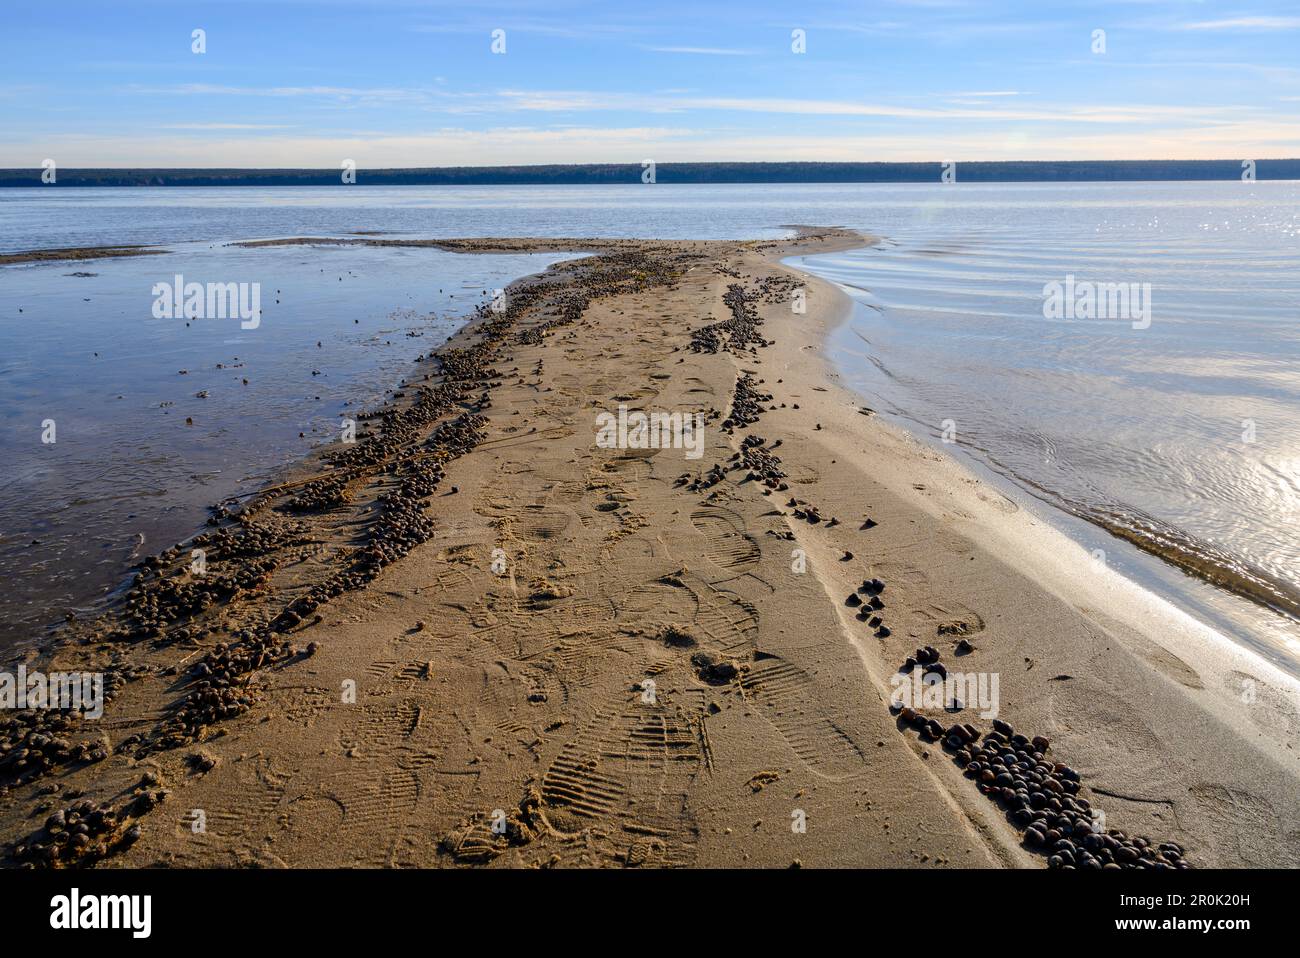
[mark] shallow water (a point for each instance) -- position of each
(126, 474)
(1183, 435)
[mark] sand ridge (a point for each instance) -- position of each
(478, 638)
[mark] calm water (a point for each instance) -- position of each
(156, 419)
(1183, 436)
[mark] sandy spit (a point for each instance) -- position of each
(76, 253)
(480, 636)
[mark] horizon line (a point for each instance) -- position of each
(657, 163)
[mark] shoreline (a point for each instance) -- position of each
(1255, 699)
(523, 690)
(1075, 524)
(1231, 573)
(74, 541)
(1037, 545)
(75, 254)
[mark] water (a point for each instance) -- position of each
(154, 419)
(1183, 437)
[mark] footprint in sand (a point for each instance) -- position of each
(787, 698)
(728, 544)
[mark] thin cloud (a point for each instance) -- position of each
(978, 106)
(703, 51)
(461, 147)
(1246, 23)
(226, 126)
(511, 22)
(578, 101)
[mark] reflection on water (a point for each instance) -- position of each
(1183, 436)
(154, 420)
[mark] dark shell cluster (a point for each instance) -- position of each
(746, 403)
(777, 289)
(78, 835)
(612, 274)
(737, 334)
(757, 461)
(322, 494)
(703, 480)
(1040, 795)
(220, 689)
(166, 599)
(35, 742)
(760, 463)
(866, 599)
(810, 513)
(166, 592)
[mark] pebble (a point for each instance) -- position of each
(1040, 798)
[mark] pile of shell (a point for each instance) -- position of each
(927, 659)
(250, 537)
(322, 494)
(35, 742)
(739, 334)
(1040, 795)
(220, 689)
(760, 463)
(78, 835)
(746, 403)
(777, 289)
(701, 481)
(609, 275)
(158, 601)
(572, 306)
(869, 609)
(810, 513)
(168, 591)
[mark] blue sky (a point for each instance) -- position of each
(415, 82)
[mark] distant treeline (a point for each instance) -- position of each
(973, 172)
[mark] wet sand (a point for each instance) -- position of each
(158, 419)
(74, 254)
(476, 637)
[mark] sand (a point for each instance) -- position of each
(536, 651)
(76, 253)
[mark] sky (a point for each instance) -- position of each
(402, 83)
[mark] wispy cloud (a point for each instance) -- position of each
(975, 106)
(281, 91)
(226, 126)
(583, 30)
(703, 51)
(582, 101)
(1246, 23)
(457, 146)
(418, 82)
